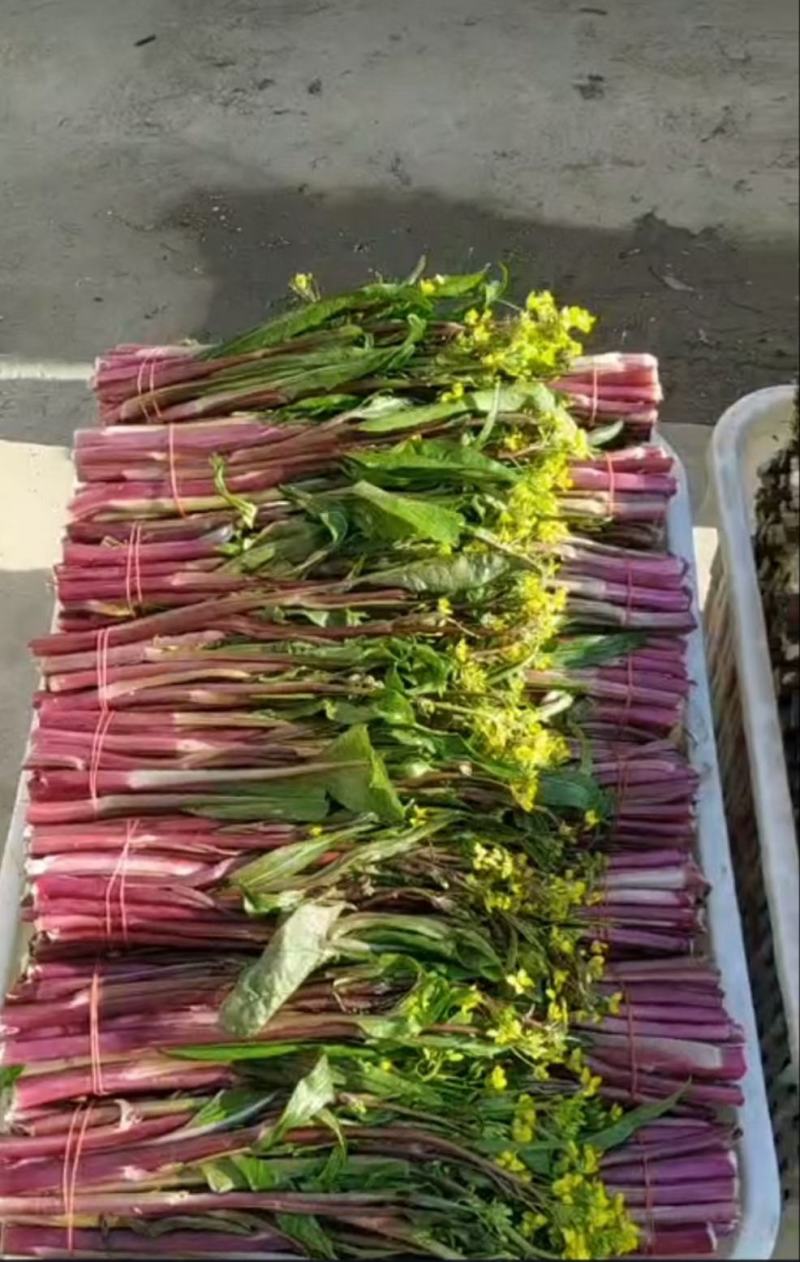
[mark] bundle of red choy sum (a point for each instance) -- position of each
(363, 914)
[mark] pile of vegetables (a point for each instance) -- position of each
(362, 908)
(776, 546)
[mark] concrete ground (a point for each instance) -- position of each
(168, 165)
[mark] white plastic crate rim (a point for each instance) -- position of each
(760, 1190)
(746, 436)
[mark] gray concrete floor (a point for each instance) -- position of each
(167, 165)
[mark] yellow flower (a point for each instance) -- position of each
(595, 968)
(497, 1079)
(523, 1126)
(589, 1082)
(443, 606)
(519, 982)
(509, 1161)
(561, 941)
(591, 819)
(427, 287)
(315, 831)
(455, 392)
(575, 1245)
(531, 1223)
(305, 286)
(566, 1187)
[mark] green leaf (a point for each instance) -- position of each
(229, 1053)
(227, 1105)
(432, 461)
(245, 508)
(460, 285)
(351, 773)
(367, 364)
(605, 434)
(298, 800)
(305, 1230)
(275, 867)
(320, 405)
(302, 319)
(240, 1223)
(445, 576)
(8, 1076)
(394, 516)
(282, 546)
(594, 650)
(311, 1095)
(300, 946)
(529, 396)
(390, 705)
(229, 1174)
(362, 784)
(618, 1132)
(394, 414)
(570, 789)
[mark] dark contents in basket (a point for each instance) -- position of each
(776, 545)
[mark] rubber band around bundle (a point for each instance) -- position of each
(626, 709)
(105, 716)
(649, 1201)
(69, 1179)
(173, 472)
(100, 734)
(623, 766)
(133, 570)
(97, 1087)
(154, 400)
(140, 390)
(119, 874)
(149, 361)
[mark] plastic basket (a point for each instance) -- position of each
(751, 754)
(760, 1189)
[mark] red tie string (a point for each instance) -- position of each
(173, 473)
(626, 709)
(119, 875)
(133, 571)
(153, 398)
(69, 1178)
(623, 764)
(94, 1034)
(105, 716)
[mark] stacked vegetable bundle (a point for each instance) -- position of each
(361, 891)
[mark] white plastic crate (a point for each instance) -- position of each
(760, 1187)
(751, 753)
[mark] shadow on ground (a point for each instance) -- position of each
(721, 316)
